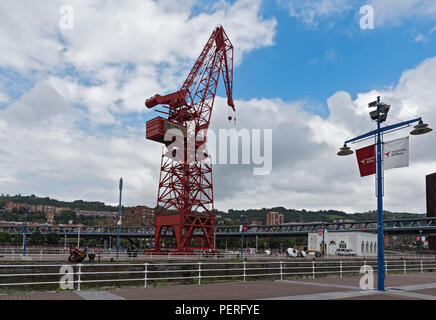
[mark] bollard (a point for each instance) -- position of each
(281, 271)
(244, 269)
(340, 268)
(313, 269)
(422, 270)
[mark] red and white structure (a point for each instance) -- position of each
(185, 207)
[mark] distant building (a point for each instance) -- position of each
(89, 213)
(59, 210)
(49, 209)
(275, 218)
(256, 222)
(50, 217)
(362, 243)
(10, 205)
(138, 216)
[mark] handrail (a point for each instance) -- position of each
(90, 273)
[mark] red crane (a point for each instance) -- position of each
(185, 207)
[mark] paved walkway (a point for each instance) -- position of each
(398, 287)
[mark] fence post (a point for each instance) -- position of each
(386, 267)
(422, 270)
(281, 271)
(79, 273)
(313, 269)
(244, 269)
(145, 275)
(340, 268)
(40, 255)
(405, 270)
(199, 273)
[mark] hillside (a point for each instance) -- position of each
(291, 215)
(74, 205)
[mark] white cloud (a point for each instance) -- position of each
(3, 97)
(46, 153)
(120, 52)
(312, 12)
(420, 38)
(307, 173)
(397, 11)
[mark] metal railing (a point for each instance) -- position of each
(41, 254)
(43, 277)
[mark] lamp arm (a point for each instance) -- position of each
(384, 129)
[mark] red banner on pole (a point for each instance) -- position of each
(366, 160)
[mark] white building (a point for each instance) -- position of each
(363, 243)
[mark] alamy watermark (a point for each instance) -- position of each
(367, 20)
(66, 21)
(67, 280)
(367, 280)
(230, 146)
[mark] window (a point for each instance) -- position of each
(342, 245)
(370, 248)
(367, 247)
(362, 249)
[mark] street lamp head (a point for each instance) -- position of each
(345, 151)
(421, 128)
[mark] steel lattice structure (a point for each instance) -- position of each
(185, 207)
(410, 226)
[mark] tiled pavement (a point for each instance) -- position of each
(399, 287)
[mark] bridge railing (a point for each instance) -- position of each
(43, 277)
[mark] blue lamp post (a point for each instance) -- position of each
(119, 218)
(380, 115)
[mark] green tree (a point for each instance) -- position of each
(37, 238)
(5, 237)
(52, 238)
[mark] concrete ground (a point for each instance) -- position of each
(398, 287)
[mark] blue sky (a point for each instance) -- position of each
(313, 63)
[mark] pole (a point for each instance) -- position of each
(420, 243)
(323, 241)
(119, 218)
(242, 242)
(380, 251)
(24, 236)
(78, 238)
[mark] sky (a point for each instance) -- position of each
(73, 86)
